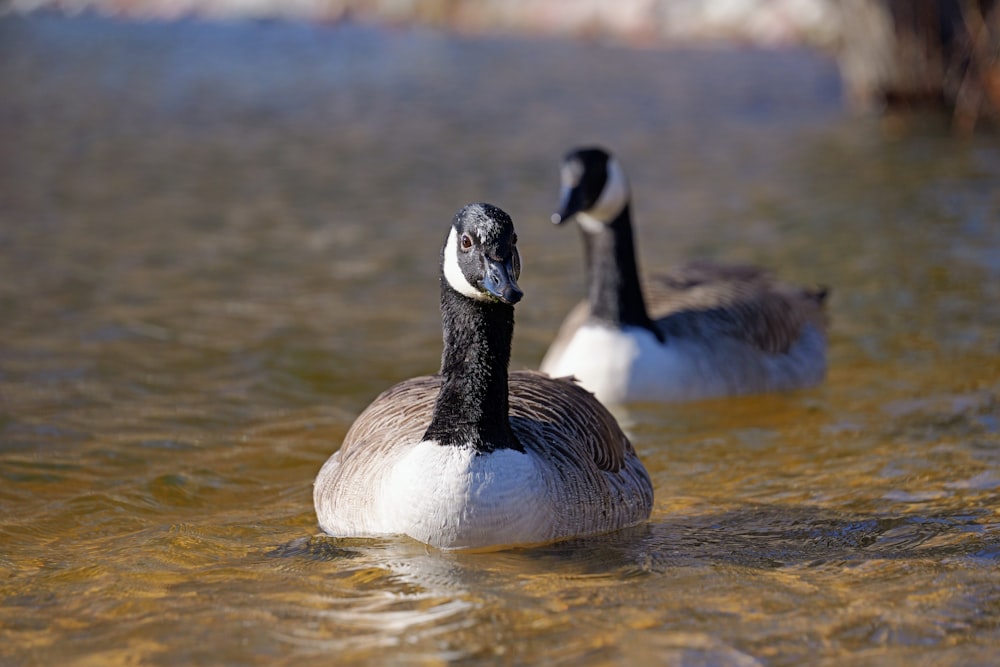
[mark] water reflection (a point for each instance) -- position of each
(398, 592)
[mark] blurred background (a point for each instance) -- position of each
(219, 233)
(890, 52)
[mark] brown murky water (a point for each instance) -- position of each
(219, 242)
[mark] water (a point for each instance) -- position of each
(219, 242)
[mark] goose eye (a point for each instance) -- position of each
(466, 242)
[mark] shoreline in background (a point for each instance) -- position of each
(942, 55)
(645, 23)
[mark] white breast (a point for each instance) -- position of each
(452, 498)
(607, 360)
(630, 364)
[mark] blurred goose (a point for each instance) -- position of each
(474, 458)
(704, 330)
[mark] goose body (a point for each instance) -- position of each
(704, 330)
(476, 457)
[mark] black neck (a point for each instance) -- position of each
(613, 275)
(472, 405)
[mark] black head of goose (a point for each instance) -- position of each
(703, 330)
(476, 457)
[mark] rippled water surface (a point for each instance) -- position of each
(219, 242)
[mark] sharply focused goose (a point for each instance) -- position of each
(472, 458)
(706, 330)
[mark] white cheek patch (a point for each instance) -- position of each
(453, 272)
(614, 196)
(590, 224)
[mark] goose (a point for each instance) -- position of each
(703, 330)
(475, 457)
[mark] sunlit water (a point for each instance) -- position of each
(218, 243)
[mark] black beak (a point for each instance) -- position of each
(499, 280)
(570, 203)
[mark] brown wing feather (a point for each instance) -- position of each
(555, 417)
(560, 417)
(704, 299)
(404, 410)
